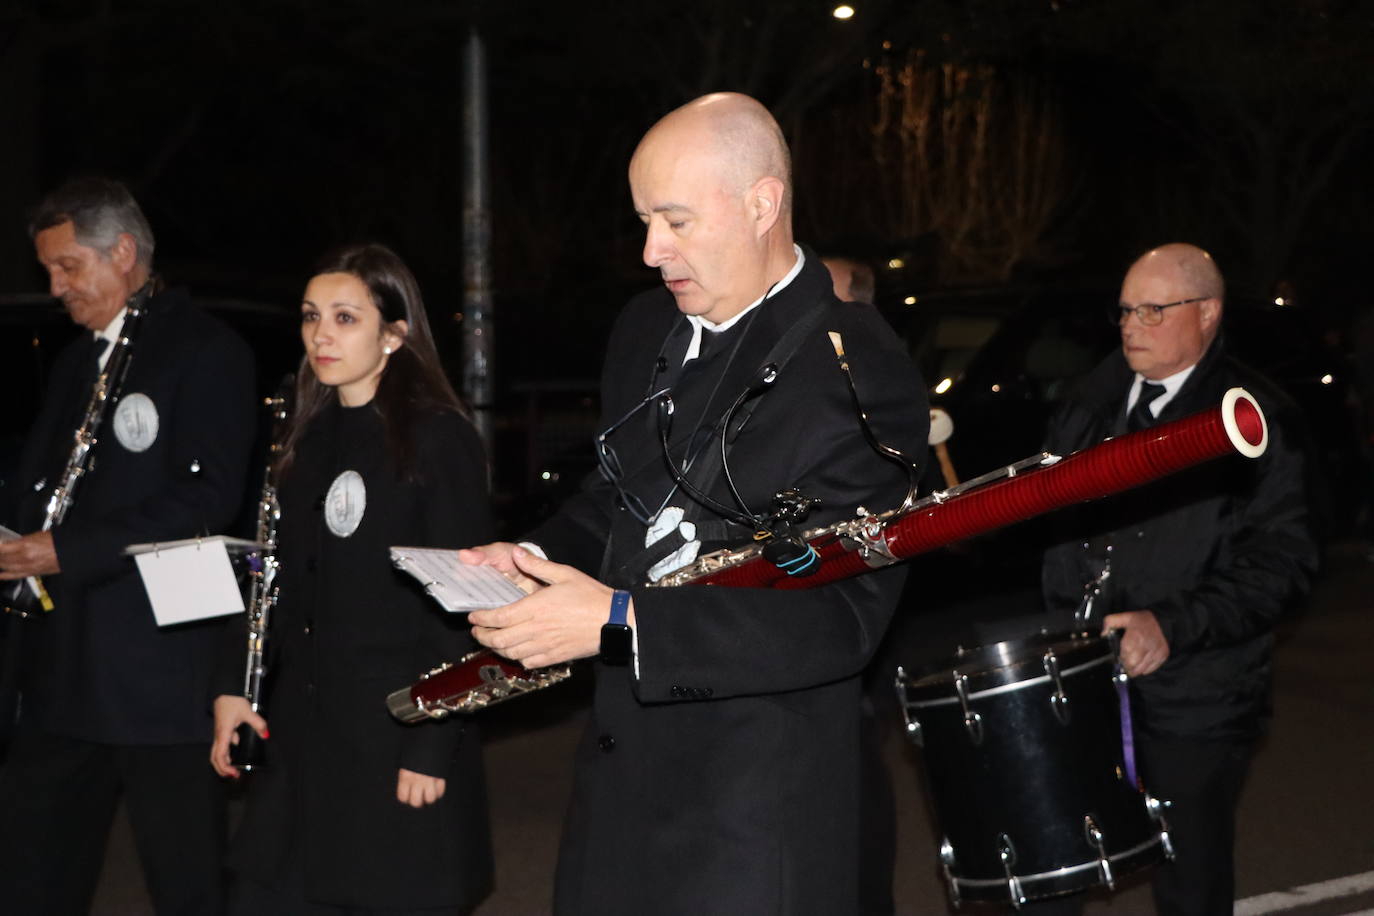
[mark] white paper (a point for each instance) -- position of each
(457, 587)
(233, 545)
(188, 580)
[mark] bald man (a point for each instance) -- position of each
(720, 770)
(1202, 564)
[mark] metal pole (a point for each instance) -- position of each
(478, 348)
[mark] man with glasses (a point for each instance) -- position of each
(720, 771)
(1201, 564)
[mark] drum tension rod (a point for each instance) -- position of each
(1093, 833)
(913, 725)
(1059, 700)
(947, 863)
(1007, 853)
(1155, 808)
(973, 722)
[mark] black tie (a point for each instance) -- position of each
(1140, 416)
(707, 343)
(100, 346)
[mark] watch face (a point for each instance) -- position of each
(616, 643)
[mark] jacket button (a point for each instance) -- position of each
(606, 743)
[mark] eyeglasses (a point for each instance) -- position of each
(614, 471)
(1148, 313)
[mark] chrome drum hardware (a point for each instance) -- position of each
(1023, 754)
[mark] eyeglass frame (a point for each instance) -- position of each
(614, 472)
(1120, 314)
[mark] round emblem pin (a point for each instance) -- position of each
(135, 422)
(345, 503)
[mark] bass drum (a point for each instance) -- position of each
(1027, 768)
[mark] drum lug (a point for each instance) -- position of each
(913, 726)
(1059, 700)
(947, 864)
(1093, 833)
(1155, 808)
(973, 722)
(1007, 852)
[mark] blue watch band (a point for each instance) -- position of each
(620, 607)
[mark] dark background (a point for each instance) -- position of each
(980, 142)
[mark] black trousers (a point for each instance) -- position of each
(251, 898)
(58, 797)
(1201, 779)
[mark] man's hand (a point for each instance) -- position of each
(417, 789)
(558, 623)
(1143, 646)
(31, 555)
(499, 554)
(231, 712)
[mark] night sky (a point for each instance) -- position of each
(983, 142)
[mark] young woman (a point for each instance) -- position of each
(354, 811)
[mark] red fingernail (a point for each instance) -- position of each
(266, 734)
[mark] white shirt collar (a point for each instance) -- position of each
(699, 324)
(1171, 386)
(111, 333)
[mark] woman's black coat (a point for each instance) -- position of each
(348, 630)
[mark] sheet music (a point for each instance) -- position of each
(457, 587)
(188, 580)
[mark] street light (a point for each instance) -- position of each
(843, 11)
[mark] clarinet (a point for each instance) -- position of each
(250, 753)
(28, 598)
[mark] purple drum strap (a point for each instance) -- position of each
(1127, 732)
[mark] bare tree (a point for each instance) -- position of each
(977, 158)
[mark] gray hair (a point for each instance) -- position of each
(100, 210)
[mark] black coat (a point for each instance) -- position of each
(99, 668)
(724, 777)
(1216, 552)
(349, 629)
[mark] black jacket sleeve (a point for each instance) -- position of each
(457, 513)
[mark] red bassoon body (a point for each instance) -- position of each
(1013, 494)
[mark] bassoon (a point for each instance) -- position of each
(1016, 493)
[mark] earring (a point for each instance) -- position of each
(386, 351)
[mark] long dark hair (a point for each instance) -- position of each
(413, 382)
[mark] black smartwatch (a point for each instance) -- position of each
(617, 639)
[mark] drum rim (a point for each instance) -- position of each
(1126, 858)
(1005, 687)
(1021, 657)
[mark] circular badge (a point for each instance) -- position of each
(345, 503)
(135, 422)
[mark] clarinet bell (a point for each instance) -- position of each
(251, 752)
